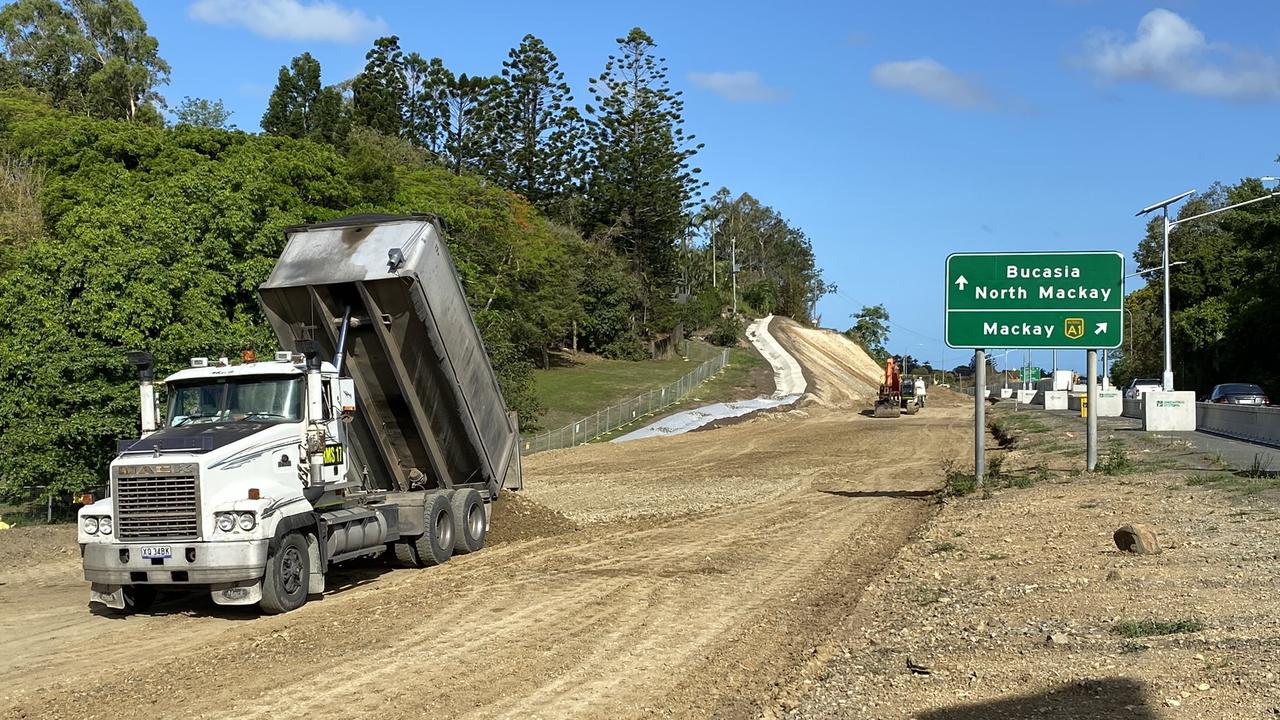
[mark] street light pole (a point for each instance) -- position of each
(1168, 326)
(1164, 206)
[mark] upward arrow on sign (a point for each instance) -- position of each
(1100, 328)
(961, 282)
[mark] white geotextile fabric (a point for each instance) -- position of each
(787, 376)
(788, 382)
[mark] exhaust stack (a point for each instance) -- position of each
(144, 362)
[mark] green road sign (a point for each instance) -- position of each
(1035, 300)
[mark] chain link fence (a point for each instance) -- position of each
(37, 505)
(624, 413)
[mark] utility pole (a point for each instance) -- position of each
(733, 261)
(711, 223)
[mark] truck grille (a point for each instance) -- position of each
(156, 507)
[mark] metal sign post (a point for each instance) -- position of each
(979, 413)
(1091, 412)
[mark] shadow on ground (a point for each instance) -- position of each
(910, 494)
(1109, 699)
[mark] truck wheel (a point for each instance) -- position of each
(435, 545)
(138, 598)
(284, 587)
(468, 521)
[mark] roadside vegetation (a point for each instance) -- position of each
(128, 222)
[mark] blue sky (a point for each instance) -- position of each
(893, 134)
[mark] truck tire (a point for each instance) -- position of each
(434, 546)
(138, 598)
(284, 587)
(469, 521)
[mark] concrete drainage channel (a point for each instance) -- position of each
(788, 381)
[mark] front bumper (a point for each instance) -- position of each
(193, 563)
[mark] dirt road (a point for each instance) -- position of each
(675, 577)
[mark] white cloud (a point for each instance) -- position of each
(1172, 53)
(290, 19)
(934, 81)
(743, 86)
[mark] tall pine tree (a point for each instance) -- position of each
(538, 134)
(300, 107)
(640, 179)
(378, 93)
(468, 120)
(426, 84)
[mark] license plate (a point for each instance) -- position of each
(159, 551)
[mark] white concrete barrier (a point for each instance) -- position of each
(1169, 411)
(1006, 393)
(1246, 422)
(1055, 399)
(1026, 397)
(1110, 404)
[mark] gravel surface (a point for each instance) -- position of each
(1014, 606)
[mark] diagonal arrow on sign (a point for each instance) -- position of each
(961, 282)
(1100, 328)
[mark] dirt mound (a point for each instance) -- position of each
(516, 517)
(37, 545)
(840, 373)
(946, 397)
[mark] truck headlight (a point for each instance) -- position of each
(90, 525)
(247, 521)
(104, 525)
(226, 522)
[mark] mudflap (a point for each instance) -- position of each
(245, 592)
(110, 595)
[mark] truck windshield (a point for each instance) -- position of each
(236, 399)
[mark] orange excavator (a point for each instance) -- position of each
(889, 402)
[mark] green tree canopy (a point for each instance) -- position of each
(640, 180)
(379, 93)
(538, 133)
(91, 56)
(871, 330)
(301, 107)
(199, 112)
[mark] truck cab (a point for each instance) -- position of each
(199, 500)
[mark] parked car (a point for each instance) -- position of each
(1141, 386)
(1238, 394)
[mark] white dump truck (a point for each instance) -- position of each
(378, 427)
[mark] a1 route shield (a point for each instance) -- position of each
(1035, 300)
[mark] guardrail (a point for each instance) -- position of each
(1259, 424)
(613, 417)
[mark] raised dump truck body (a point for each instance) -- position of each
(385, 432)
(428, 399)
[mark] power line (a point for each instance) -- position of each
(900, 326)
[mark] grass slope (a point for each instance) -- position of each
(592, 383)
